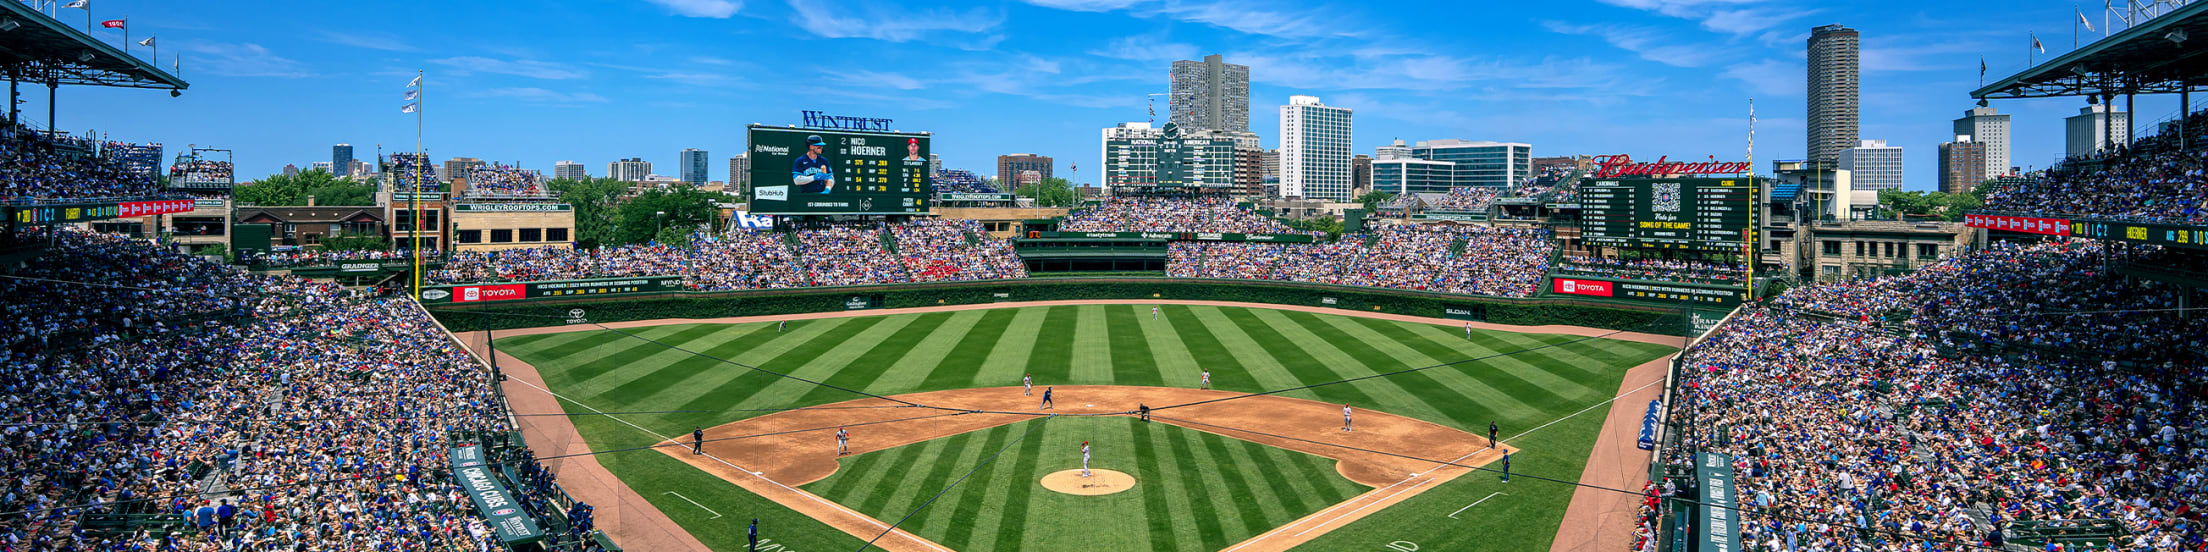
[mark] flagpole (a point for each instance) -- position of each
(2074, 26)
(415, 194)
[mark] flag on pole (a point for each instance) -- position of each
(1981, 67)
(410, 108)
(148, 42)
(416, 82)
(2036, 45)
(412, 95)
(2081, 19)
(112, 23)
(85, 5)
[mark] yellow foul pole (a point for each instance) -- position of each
(414, 193)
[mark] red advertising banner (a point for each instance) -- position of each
(500, 292)
(2029, 225)
(1568, 286)
(149, 208)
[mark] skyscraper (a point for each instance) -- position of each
(935, 163)
(1990, 130)
(341, 159)
(1314, 149)
(2089, 131)
(1962, 164)
(1010, 166)
(739, 174)
(570, 170)
(633, 169)
(1873, 165)
(1834, 81)
(692, 161)
(1210, 95)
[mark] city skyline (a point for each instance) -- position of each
(1645, 78)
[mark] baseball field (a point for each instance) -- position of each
(945, 445)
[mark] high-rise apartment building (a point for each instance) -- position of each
(2090, 129)
(1210, 95)
(458, 167)
(1872, 165)
(1270, 163)
(739, 174)
(692, 163)
(1962, 164)
(1314, 149)
(1989, 130)
(291, 170)
(341, 159)
(1435, 166)
(570, 170)
(1834, 82)
(935, 163)
(633, 169)
(1360, 173)
(1010, 166)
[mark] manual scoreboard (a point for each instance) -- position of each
(1668, 213)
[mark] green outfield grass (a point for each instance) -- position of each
(1247, 349)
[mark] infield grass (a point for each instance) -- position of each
(1247, 349)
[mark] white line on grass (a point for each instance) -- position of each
(1414, 486)
(1583, 410)
(1453, 515)
(816, 498)
(716, 515)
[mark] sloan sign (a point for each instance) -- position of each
(1597, 288)
(1613, 166)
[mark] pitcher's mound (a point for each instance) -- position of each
(1099, 482)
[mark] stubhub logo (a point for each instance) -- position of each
(771, 193)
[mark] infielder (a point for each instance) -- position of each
(1027, 385)
(1491, 442)
(1047, 405)
(811, 172)
(1205, 381)
(1084, 459)
(843, 441)
(1345, 417)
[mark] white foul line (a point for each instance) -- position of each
(1420, 483)
(1453, 515)
(716, 515)
(816, 498)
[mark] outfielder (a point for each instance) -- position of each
(811, 172)
(1205, 382)
(1468, 331)
(1027, 385)
(843, 441)
(784, 326)
(1084, 459)
(1345, 417)
(1153, 313)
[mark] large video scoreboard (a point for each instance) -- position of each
(1667, 213)
(854, 173)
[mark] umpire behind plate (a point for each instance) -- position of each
(811, 173)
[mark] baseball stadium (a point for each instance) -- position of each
(858, 349)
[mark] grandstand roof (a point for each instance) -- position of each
(40, 47)
(2147, 58)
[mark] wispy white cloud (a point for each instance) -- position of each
(1649, 43)
(711, 9)
(1733, 17)
(540, 95)
(1420, 72)
(370, 40)
(710, 60)
(1243, 16)
(877, 79)
(464, 65)
(1146, 48)
(1088, 5)
(692, 78)
(241, 60)
(889, 23)
(1771, 77)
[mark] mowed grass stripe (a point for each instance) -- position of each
(1012, 528)
(1538, 401)
(1297, 361)
(1227, 371)
(1312, 477)
(1252, 367)
(1008, 360)
(1130, 348)
(904, 490)
(633, 349)
(955, 458)
(1540, 364)
(1154, 503)
(1268, 493)
(957, 368)
(1412, 394)
(1176, 365)
(766, 348)
(1476, 398)
(908, 373)
(833, 362)
(1051, 360)
(846, 483)
(1092, 347)
(862, 369)
(1213, 492)
(1183, 504)
(961, 518)
(742, 386)
(696, 370)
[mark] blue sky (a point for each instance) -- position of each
(540, 82)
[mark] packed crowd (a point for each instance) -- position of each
(1668, 270)
(1504, 262)
(270, 412)
(2153, 179)
(960, 181)
(205, 170)
(2002, 406)
(34, 170)
(941, 250)
(1156, 214)
(496, 180)
(316, 257)
(412, 171)
(1462, 199)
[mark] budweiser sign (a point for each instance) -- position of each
(1614, 166)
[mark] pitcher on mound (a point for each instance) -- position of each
(1084, 459)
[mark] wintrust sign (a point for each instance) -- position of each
(502, 292)
(1613, 166)
(1597, 288)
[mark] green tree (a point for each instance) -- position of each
(1933, 205)
(325, 188)
(355, 242)
(1051, 192)
(650, 214)
(1373, 199)
(594, 200)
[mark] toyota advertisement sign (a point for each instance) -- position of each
(1594, 288)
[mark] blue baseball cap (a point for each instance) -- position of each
(815, 140)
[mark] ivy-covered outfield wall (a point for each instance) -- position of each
(556, 311)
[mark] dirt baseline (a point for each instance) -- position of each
(798, 446)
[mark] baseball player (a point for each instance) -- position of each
(843, 441)
(1145, 409)
(1491, 442)
(1205, 381)
(1345, 417)
(912, 150)
(697, 440)
(1027, 385)
(1468, 331)
(784, 326)
(1084, 459)
(1153, 313)
(1506, 466)
(1046, 400)
(754, 535)
(811, 172)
